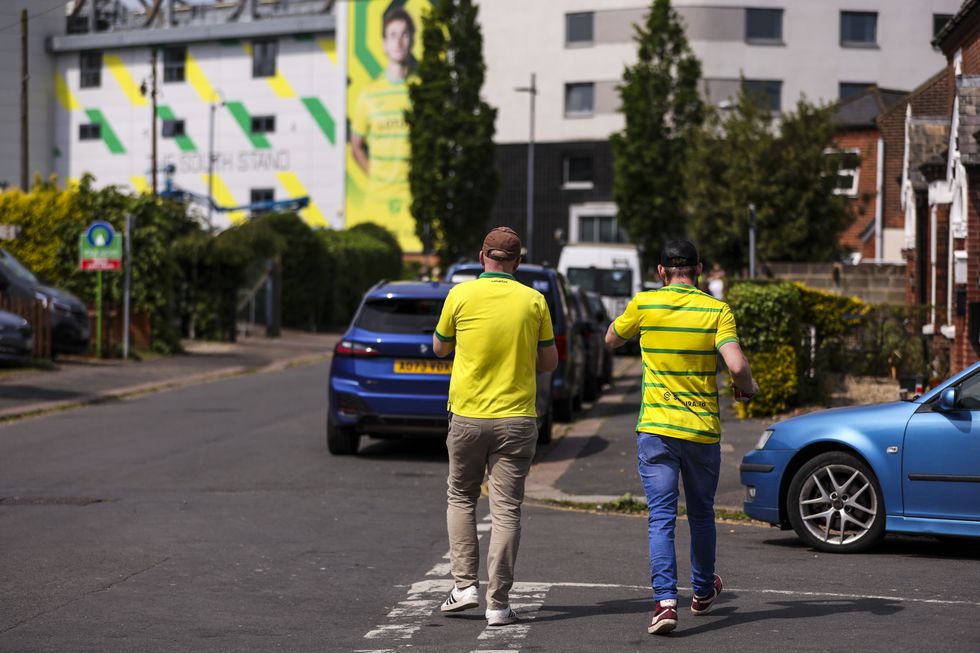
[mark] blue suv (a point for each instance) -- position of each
(385, 381)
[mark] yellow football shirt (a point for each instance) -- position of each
(681, 329)
(379, 118)
(498, 324)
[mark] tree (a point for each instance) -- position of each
(662, 107)
(742, 158)
(452, 176)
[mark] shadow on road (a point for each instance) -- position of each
(406, 449)
(915, 546)
(730, 614)
(37, 393)
(806, 609)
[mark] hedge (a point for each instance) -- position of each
(791, 362)
(186, 280)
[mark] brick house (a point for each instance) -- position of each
(939, 191)
(875, 235)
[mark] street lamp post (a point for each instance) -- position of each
(532, 90)
(751, 241)
(215, 101)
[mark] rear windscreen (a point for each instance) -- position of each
(400, 315)
(610, 283)
(542, 283)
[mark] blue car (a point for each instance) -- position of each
(842, 478)
(385, 381)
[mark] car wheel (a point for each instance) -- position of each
(562, 409)
(544, 430)
(835, 504)
(341, 440)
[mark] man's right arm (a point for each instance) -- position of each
(359, 150)
(738, 365)
(547, 358)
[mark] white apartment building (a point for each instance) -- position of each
(577, 49)
(259, 85)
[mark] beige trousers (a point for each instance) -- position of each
(502, 447)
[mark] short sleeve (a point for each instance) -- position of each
(546, 331)
(627, 325)
(359, 120)
(726, 328)
(446, 328)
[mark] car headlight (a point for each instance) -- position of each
(763, 439)
(61, 307)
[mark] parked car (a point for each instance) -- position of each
(16, 337)
(589, 330)
(70, 331)
(842, 478)
(602, 320)
(385, 381)
(568, 380)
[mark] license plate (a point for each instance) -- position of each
(422, 366)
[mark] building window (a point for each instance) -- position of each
(858, 29)
(91, 131)
(847, 89)
(939, 22)
(767, 91)
(174, 62)
(764, 26)
(173, 128)
(848, 165)
(262, 195)
(600, 229)
(90, 67)
(264, 53)
(579, 99)
(577, 171)
(578, 28)
(263, 124)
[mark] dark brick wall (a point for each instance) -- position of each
(866, 141)
(551, 201)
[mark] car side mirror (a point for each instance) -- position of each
(948, 399)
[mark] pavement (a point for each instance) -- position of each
(591, 460)
(77, 381)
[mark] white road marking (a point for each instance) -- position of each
(527, 598)
(441, 569)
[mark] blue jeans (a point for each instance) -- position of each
(662, 460)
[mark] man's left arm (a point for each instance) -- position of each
(444, 336)
(623, 327)
(442, 348)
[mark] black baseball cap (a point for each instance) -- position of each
(679, 254)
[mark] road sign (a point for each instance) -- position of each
(99, 248)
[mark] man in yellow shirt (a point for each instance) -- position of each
(501, 330)
(682, 330)
(379, 133)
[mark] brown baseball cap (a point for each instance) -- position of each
(502, 244)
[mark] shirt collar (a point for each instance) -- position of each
(683, 285)
(497, 274)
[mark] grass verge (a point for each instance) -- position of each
(631, 505)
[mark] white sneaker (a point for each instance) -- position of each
(501, 617)
(461, 599)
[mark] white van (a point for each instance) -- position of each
(610, 269)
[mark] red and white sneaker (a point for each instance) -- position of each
(664, 617)
(702, 604)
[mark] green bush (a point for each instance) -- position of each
(776, 373)
(767, 313)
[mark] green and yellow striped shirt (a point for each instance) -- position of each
(681, 329)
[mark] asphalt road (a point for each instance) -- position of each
(212, 519)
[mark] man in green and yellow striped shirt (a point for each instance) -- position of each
(681, 332)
